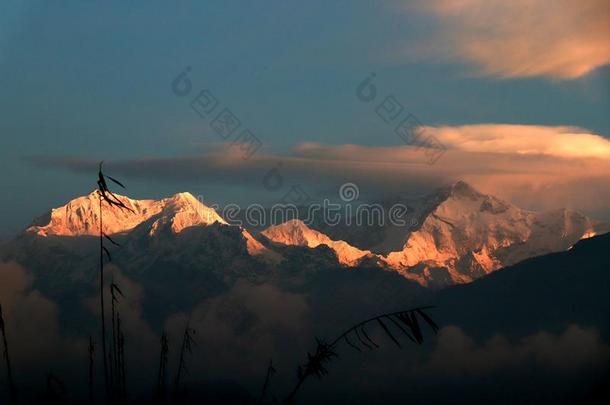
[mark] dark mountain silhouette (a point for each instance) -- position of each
(546, 292)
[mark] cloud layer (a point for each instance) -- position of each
(560, 39)
(39, 336)
(537, 167)
(457, 354)
(561, 141)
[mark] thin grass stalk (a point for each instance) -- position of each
(160, 394)
(360, 324)
(122, 381)
(113, 201)
(270, 373)
(113, 350)
(114, 369)
(12, 389)
(118, 378)
(118, 348)
(103, 318)
(111, 378)
(325, 352)
(56, 389)
(91, 360)
(187, 341)
(180, 364)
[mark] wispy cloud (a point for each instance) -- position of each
(561, 39)
(561, 141)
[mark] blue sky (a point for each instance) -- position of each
(92, 80)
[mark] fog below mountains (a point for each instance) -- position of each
(523, 332)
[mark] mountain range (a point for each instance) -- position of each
(460, 234)
(497, 272)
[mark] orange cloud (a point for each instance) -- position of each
(536, 167)
(561, 141)
(562, 39)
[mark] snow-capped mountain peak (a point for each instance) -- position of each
(183, 210)
(80, 216)
(462, 234)
(470, 234)
(296, 233)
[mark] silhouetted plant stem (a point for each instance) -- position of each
(122, 382)
(111, 378)
(160, 394)
(12, 389)
(405, 322)
(115, 369)
(56, 389)
(270, 373)
(91, 359)
(113, 352)
(113, 201)
(187, 342)
(290, 398)
(104, 354)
